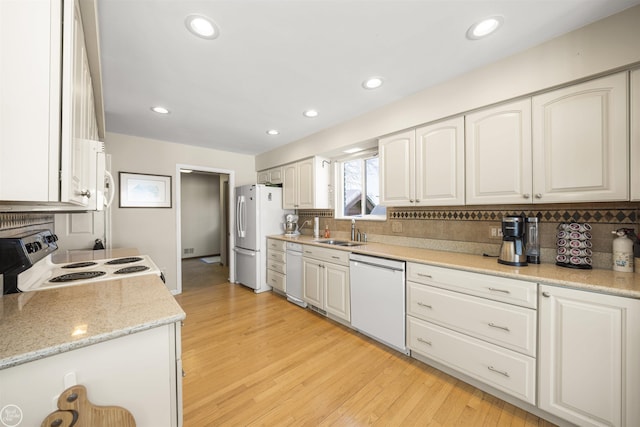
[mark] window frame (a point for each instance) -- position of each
(339, 179)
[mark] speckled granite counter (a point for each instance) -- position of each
(605, 281)
(38, 324)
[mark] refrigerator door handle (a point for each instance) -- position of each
(245, 252)
(241, 217)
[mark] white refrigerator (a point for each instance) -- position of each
(259, 213)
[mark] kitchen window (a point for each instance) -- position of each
(359, 188)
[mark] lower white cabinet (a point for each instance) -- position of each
(454, 318)
(276, 265)
(589, 357)
(326, 280)
(141, 372)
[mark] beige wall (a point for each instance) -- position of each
(603, 46)
(153, 231)
(200, 214)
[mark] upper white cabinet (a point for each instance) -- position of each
(306, 184)
(271, 176)
(635, 134)
(498, 154)
(48, 112)
(424, 167)
(588, 357)
(580, 142)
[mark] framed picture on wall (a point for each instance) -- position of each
(144, 191)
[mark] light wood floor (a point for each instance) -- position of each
(259, 360)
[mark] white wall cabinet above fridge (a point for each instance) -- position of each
(306, 184)
(48, 116)
(270, 176)
(424, 167)
(564, 146)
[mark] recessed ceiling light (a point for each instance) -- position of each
(484, 28)
(273, 132)
(372, 83)
(159, 110)
(310, 113)
(352, 150)
(202, 26)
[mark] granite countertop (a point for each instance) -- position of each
(38, 324)
(597, 280)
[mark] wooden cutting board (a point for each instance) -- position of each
(75, 410)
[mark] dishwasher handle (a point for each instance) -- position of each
(383, 267)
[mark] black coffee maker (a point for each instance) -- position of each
(513, 251)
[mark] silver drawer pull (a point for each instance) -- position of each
(423, 341)
(493, 325)
(428, 276)
(504, 291)
(421, 304)
(546, 294)
(335, 257)
(492, 369)
(307, 252)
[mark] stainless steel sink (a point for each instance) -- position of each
(339, 242)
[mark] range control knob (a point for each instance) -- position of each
(30, 247)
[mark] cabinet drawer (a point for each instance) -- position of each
(503, 324)
(278, 256)
(324, 254)
(496, 288)
(278, 266)
(503, 369)
(276, 280)
(278, 245)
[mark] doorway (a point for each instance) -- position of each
(203, 218)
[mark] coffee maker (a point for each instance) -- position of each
(513, 249)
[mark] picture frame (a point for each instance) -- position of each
(139, 190)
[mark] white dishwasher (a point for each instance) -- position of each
(378, 299)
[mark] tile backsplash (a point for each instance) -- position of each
(467, 229)
(16, 223)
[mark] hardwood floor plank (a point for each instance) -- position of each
(258, 360)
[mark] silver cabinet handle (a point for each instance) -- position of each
(307, 252)
(423, 341)
(504, 291)
(428, 276)
(417, 200)
(421, 304)
(85, 193)
(335, 257)
(505, 328)
(546, 294)
(526, 195)
(538, 196)
(411, 200)
(492, 369)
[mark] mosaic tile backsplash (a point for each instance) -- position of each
(468, 229)
(14, 223)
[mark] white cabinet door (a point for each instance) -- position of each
(498, 154)
(580, 142)
(30, 58)
(290, 186)
(263, 177)
(588, 357)
(275, 175)
(306, 184)
(338, 299)
(397, 169)
(313, 282)
(439, 164)
(635, 135)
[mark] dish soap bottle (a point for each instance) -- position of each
(327, 234)
(622, 251)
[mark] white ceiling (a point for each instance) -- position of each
(276, 58)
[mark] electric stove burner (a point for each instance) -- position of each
(127, 260)
(78, 275)
(132, 269)
(80, 264)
